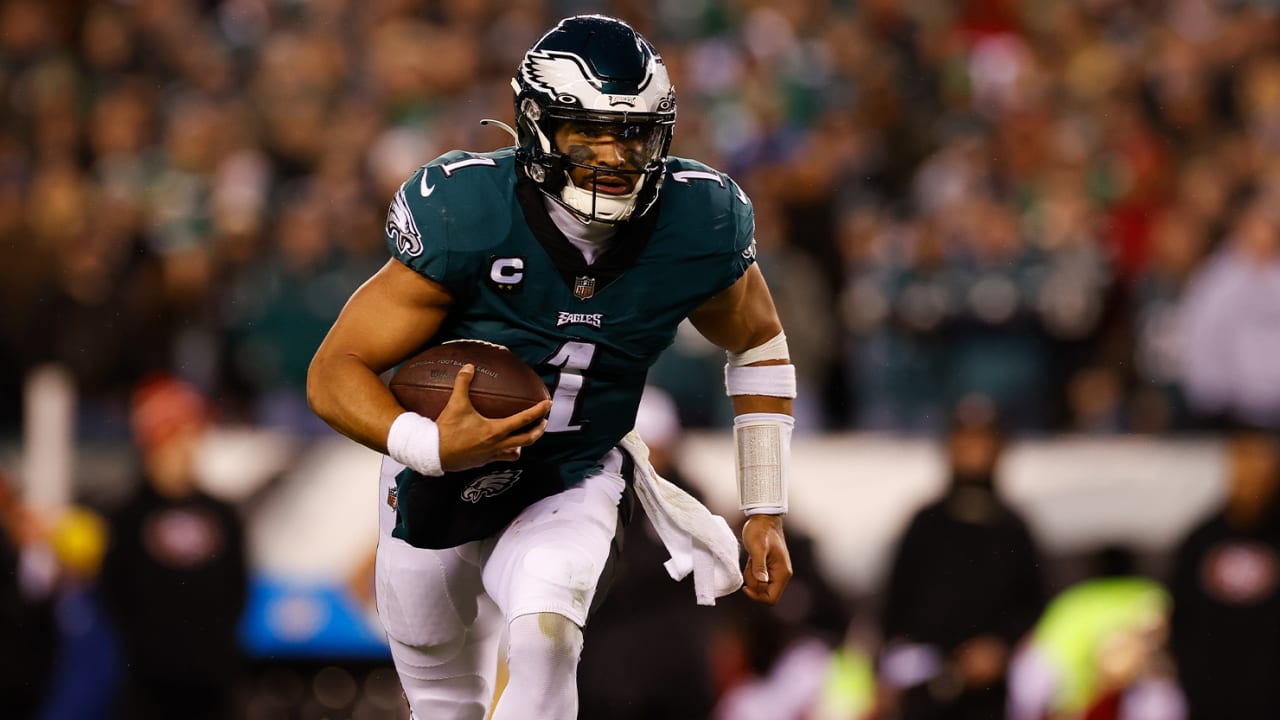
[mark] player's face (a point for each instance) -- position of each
(616, 147)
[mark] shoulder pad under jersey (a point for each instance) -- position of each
(716, 211)
(449, 212)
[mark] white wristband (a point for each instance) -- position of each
(763, 445)
(768, 380)
(414, 441)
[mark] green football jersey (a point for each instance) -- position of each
(470, 222)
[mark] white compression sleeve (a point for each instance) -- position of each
(414, 441)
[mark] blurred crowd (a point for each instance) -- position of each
(1066, 207)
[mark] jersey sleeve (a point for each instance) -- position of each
(415, 236)
(444, 217)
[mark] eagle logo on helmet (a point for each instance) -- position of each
(556, 74)
(566, 77)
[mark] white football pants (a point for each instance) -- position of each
(446, 611)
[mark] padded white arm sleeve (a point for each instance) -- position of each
(414, 441)
(763, 445)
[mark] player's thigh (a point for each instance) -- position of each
(551, 557)
(429, 598)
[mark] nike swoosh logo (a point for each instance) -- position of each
(424, 187)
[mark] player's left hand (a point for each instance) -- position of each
(768, 563)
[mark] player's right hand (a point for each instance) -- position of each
(469, 439)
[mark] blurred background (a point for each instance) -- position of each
(1027, 253)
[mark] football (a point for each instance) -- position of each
(503, 384)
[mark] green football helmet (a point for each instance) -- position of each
(594, 70)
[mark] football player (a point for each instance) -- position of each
(581, 248)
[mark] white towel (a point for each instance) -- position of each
(699, 541)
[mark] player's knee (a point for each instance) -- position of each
(549, 639)
(560, 633)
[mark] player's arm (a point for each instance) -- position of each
(761, 382)
(390, 316)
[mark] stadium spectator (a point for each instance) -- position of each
(26, 618)
(1099, 651)
(1178, 240)
(87, 672)
(174, 579)
(964, 587)
(1226, 592)
(1232, 316)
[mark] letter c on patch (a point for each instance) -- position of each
(507, 271)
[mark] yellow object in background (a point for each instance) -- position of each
(849, 692)
(79, 540)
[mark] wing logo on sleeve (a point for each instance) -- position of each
(490, 484)
(401, 227)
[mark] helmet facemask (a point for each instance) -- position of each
(615, 158)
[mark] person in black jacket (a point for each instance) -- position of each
(965, 585)
(1226, 592)
(175, 578)
(27, 630)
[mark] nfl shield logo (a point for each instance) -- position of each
(584, 287)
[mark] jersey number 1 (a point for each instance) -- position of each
(572, 358)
